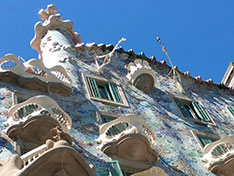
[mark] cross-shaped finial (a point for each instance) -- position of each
(45, 14)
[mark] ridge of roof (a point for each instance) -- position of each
(152, 60)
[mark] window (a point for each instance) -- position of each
(23, 151)
(104, 90)
(206, 140)
(112, 168)
(231, 109)
(19, 97)
(105, 117)
(203, 138)
(194, 111)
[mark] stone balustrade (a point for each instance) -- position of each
(34, 69)
(218, 156)
(124, 125)
(47, 159)
(31, 156)
(128, 140)
(38, 106)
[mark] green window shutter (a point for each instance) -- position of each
(181, 106)
(231, 109)
(201, 112)
(115, 93)
(206, 140)
(93, 88)
(114, 168)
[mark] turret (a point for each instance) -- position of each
(53, 37)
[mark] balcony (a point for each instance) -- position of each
(141, 75)
(51, 158)
(128, 140)
(39, 111)
(219, 156)
(35, 76)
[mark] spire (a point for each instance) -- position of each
(176, 75)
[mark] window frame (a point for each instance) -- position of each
(229, 112)
(100, 114)
(104, 80)
(207, 135)
(195, 119)
(16, 95)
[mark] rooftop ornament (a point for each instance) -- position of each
(52, 21)
(107, 57)
(174, 71)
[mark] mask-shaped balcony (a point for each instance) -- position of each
(34, 75)
(35, 120)
(128, 140)
(141, 75)
(219, 156)
(52, 158)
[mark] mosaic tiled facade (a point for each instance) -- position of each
(178, 151)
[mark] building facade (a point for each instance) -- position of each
(95, 109)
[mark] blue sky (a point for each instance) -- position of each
(199, 34)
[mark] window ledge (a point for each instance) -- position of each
(110, 102)
(198, 122)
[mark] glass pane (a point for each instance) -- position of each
(206, 140)
(104, 93)
(20, 100)
(189, 111)
(23, 151)
(106, 119)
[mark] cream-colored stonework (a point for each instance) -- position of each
(154, 171)
(34, 68)
(128, 140)
(31, 69)
(57, 159)
(141, 75)
(219, 156)
(52, 21)
(36, 106)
